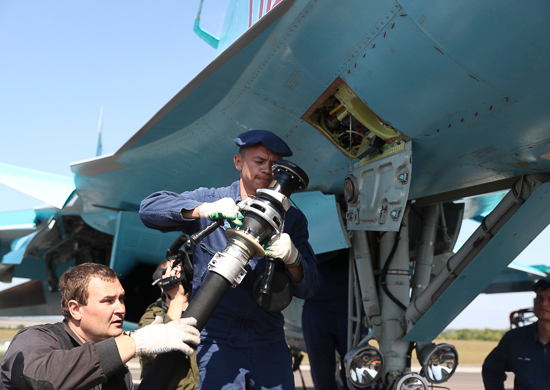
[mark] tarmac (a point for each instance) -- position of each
(465, 378)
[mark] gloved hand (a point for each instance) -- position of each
(158, 338)
(223, 208)
(283, 248)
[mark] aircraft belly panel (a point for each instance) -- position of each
(496, 30)
(307, 57)
(418, 88)
(101, 219)
(438, 102)
(135, 243)
(508, 243)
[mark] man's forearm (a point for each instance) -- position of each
(176, 307)
(126, 347)
(297, 273)
(191, 214)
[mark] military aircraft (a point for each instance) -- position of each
(362, 92)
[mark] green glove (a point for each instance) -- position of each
(224, 208)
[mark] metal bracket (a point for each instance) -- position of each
(383, 189)
(228, 267)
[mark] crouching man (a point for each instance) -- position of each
(88, 349)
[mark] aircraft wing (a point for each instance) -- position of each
(276, 73)
(517, 277)
(47, 187)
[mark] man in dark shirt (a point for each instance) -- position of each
(524, 351)
(88, 350)
(325, 320)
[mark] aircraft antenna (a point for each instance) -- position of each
(99, 125)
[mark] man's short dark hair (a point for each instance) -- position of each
(242, 150)
(74, 282)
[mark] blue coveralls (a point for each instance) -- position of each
(520, 351)
(325, 319)
(242, 346)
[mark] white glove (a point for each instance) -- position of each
(283, 248)
(223, 208)
(158, 338)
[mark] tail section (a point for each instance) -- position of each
(99, 150)
(204, 35)
(239, 17)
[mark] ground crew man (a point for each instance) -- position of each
(524, 351)
(88, 350)
(242, 345)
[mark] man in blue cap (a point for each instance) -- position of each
(524, 350)
(243, 346)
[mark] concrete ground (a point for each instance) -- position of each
(465, 378)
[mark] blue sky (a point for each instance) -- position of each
(63, 60)
(493, 310)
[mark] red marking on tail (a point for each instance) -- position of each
(250, 10)
(261, 10)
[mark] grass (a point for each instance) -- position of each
(8, 333)
(472, 352)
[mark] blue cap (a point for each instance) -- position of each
(545, 283)
(267, 139)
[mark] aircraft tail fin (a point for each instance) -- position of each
(47, 187)
(242, 15)
(202, 34)
(99, 149)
